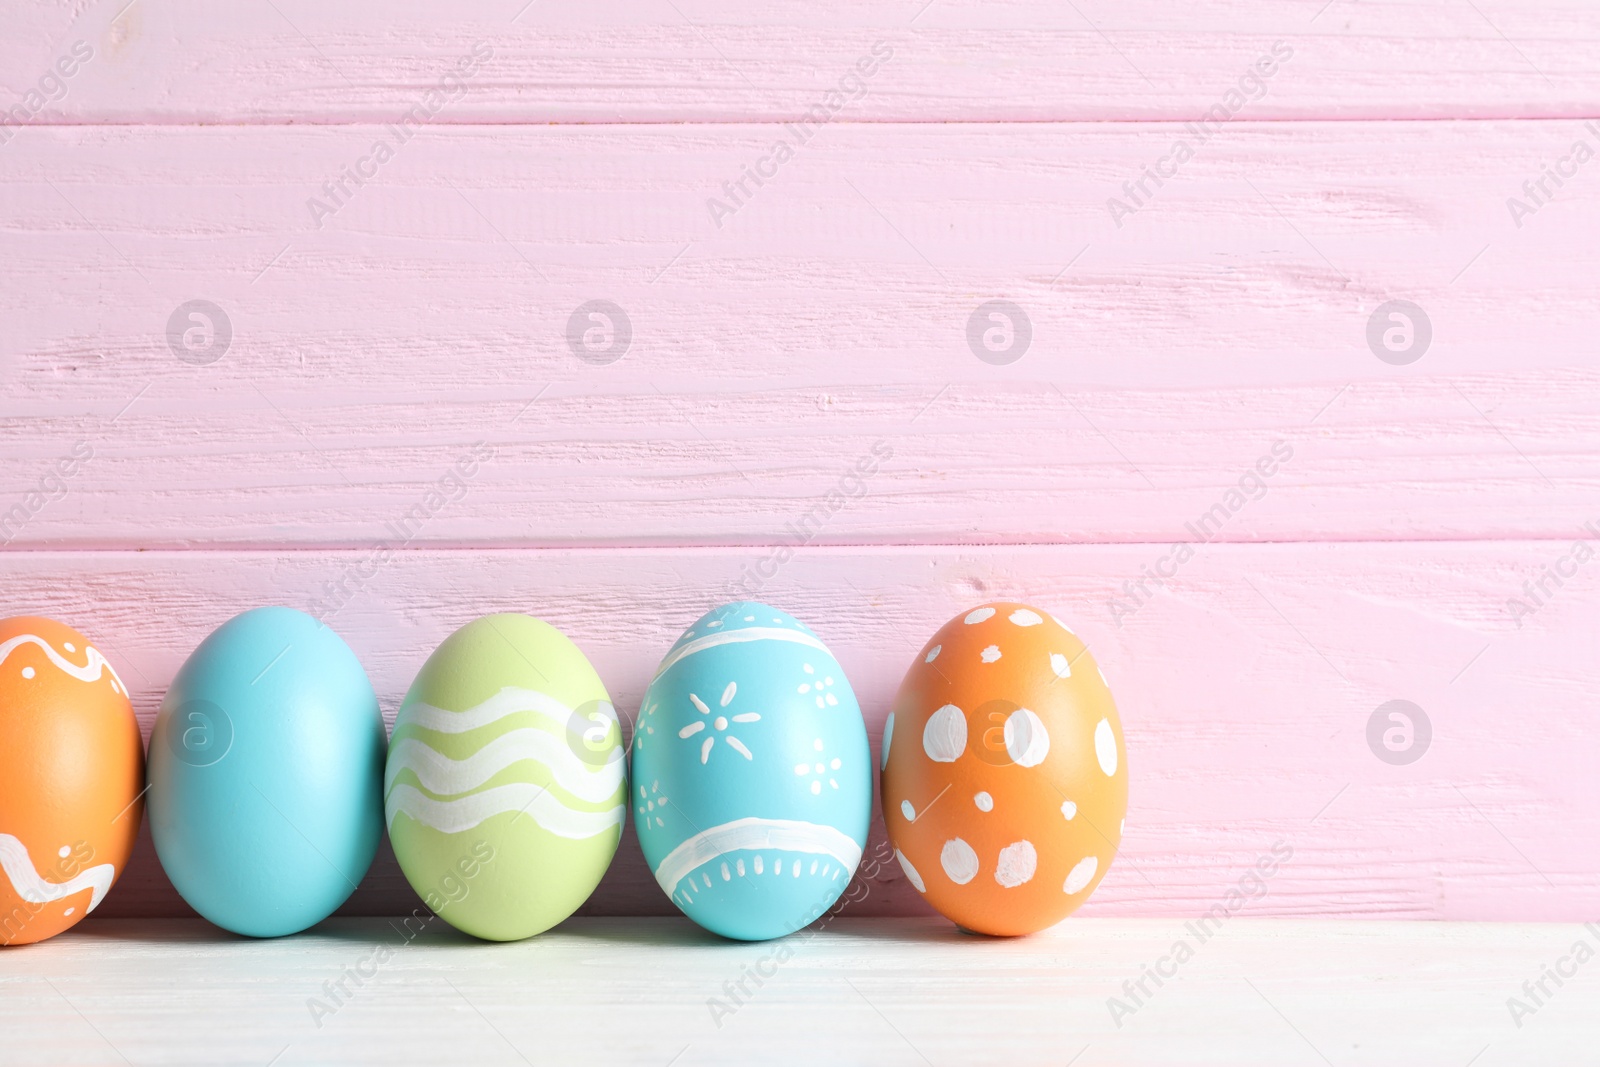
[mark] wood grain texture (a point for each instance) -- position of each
(720, 60)
(882, 992)
(789, 333)
(1245, 689)
(771, 354)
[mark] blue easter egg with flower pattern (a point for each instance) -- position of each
(752, 780)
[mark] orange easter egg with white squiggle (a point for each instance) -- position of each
(71, 778)
(1005, 779)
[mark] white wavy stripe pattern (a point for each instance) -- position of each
(439, 773)
(786, 835)
(89, 672)
(729, 637)
(509, 701)
(32, 887)
(463, 813)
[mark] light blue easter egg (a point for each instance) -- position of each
(752, 786)
(266, 774)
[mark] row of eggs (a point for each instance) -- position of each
(507, 780)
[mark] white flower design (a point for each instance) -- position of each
(819, 768)
(719, 725)
(649, 802)
(818, 685)
(644, 728)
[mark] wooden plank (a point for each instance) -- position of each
(907, 991)
(720, 60)
(769, 357)
(1246, 689)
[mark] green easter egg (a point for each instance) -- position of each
(505, 786)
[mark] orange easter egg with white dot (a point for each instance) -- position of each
(71, 778)
(1005, 780)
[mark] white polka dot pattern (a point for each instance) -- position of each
(1017, 863)
(1027, 741)
(1105, 747)
(960, 863)
(1081, 875)
(1013, 684)
(945, 736)
(911, 872)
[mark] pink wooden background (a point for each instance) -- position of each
(828, 313)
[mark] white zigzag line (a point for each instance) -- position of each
(89, 672)
(30, 886)
(788, 835)
(509, 701)
(439, 773)
(463, 813)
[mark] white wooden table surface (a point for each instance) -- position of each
(898, 991)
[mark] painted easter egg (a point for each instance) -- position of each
(506, 779)
(71, 778)
(1005, 780)
(752, 785)
(266, 772)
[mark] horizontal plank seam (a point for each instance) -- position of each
(782, 118)
(262, 548)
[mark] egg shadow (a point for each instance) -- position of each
(191, 931)
(664, 932)
(919, 930)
